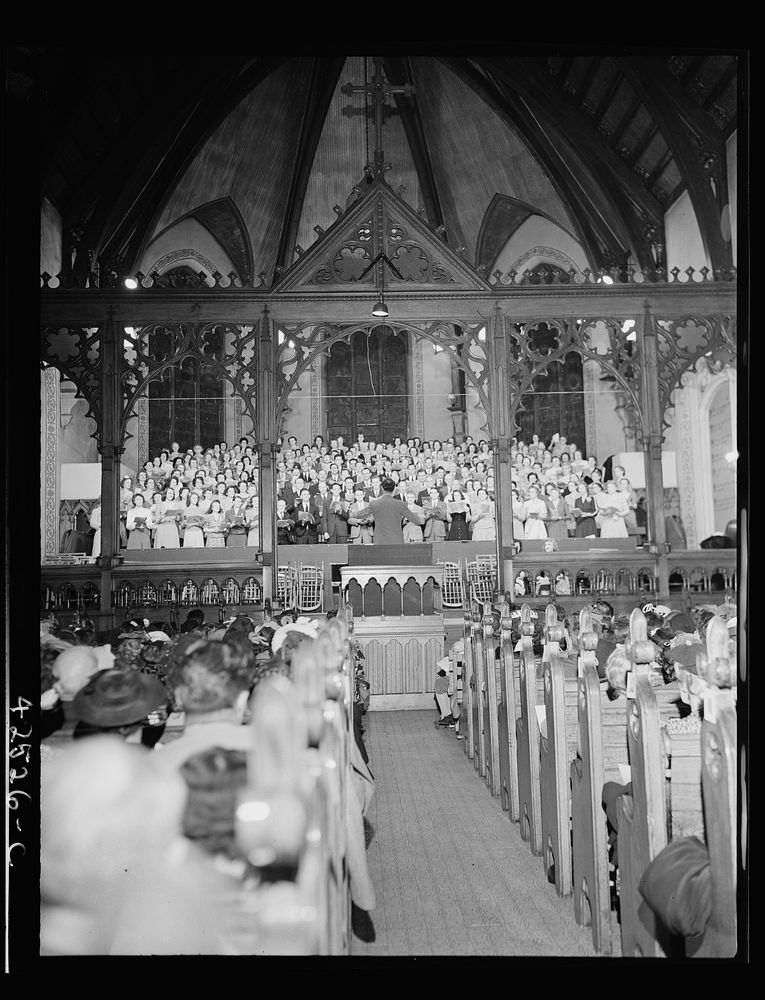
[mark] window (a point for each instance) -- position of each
(367, 386)
(186, 401)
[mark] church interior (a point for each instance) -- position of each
(281, 296)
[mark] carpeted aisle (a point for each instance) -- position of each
(451, 873)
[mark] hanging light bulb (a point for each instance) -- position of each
(380, 309)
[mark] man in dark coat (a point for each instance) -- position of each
(388, 513)
(334, 522)
(305, 531)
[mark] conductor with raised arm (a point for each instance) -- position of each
(388, 513)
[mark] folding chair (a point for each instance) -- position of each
(481, 581)
(285, 586)
(453, 592)
(310, 588)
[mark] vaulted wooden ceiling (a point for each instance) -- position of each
(601, 144)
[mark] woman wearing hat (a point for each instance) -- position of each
(118, 702)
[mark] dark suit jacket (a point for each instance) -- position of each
(304, 532)
(335, 524)
(388, 513)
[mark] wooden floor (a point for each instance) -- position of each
(451, 873)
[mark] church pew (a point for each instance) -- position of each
(602, 755)
(507, 703)
(719, 773)
(298, 803)
(492, 687)
(707, 759)
(592, 902)
(642, 815)
(479, 693)
(527, 737)
(468, 686)
(555, 808)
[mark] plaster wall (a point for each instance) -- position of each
(537, 240)
(189, 243)
(50, 239)
(732, 155)
(685, 247)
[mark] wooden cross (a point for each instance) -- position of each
(378, 90)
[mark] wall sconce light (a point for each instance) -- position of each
(131, 283)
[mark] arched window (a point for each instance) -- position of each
(367, 384)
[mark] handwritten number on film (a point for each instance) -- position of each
(14, 775)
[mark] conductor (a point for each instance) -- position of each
(388, 514)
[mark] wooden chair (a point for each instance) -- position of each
(310, 588)
(482, 580)
(453, 592)
(285, 586)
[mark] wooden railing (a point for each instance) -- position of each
(697, 577)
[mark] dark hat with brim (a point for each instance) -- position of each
(684, 654)
(118, 698)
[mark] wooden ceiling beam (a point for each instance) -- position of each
(659, 169)
(592, 229)
(668, 91)
(398, 70)
(624, 122)
(589, 76)
(691, 69)
(608, 96)
(707, 206)
(522, 76)
(562, 74)
(721, 86)
(324, 78)
(640, 149)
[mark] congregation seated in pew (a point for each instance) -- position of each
(232, 748)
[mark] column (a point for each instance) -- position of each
(652, 442)
(267, 448)
(500, 430)
(50, 471)
(111, 452)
